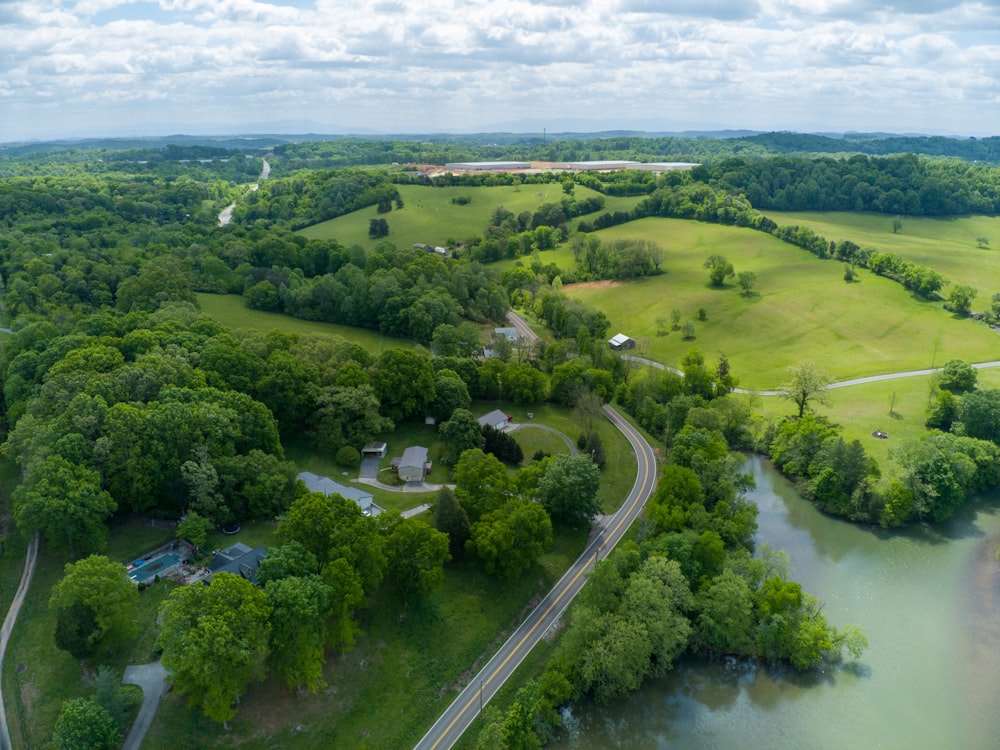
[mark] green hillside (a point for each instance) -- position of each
(801, 309)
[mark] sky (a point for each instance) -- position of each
(91, 68)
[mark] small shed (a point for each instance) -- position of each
(413, 465)
(328, 487)
(620, 341)
(495, 419)
(376, 449)
(239, 559)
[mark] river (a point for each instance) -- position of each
(929, 602)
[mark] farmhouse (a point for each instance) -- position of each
(620, 341)
(328, 487)
(510, 334)
(239, 559)
(413, 465)
(495, 419)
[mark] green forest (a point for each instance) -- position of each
(123, 403)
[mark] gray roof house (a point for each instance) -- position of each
(495, 419)
(238, 559)
(413, 465)
(510, 334)
(328, 487)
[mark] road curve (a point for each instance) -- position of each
(832, 386)
(460, 714)
(8, 626)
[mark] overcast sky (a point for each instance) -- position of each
(155, 67)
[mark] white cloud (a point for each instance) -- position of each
(416, 65)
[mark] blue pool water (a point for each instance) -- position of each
(156, 566)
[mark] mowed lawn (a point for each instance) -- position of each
(949, 245)
(428, 216)
(801, 309)
(231, 311)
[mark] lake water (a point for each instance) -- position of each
(929, 603)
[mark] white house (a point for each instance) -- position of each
(328, 487)
(413, 465)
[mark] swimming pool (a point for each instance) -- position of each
(156, 566)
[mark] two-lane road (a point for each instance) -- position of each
(460, 714)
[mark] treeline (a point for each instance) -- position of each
(690, 584)
(704, 148)
(903, 184)
(400, 292)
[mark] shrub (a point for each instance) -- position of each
(348, 457)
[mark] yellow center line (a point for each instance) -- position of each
(621, 425)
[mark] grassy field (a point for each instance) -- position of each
(949, 245)
(428, 216)
(231, 311)
(801, 309)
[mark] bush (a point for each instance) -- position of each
(348, 457)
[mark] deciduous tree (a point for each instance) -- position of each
(104, 588)
(510, 539)
(719, 269)
(215, 641)
(84, 725)
(568, 490)
(808, 384)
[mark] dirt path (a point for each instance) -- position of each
(8, 626)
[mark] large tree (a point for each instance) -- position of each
(64, 501)
(719, 269)
(807, 384)
(299, 610)
(510, 539)
(460, 433)
(215, 641)
(481, 483)
(404, 381)
(347, 415)
(417, 554)
(98, 591)
(568, 490)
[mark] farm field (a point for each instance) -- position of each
(949, 245)
(231, 311)
(801, 309)
(428, 215)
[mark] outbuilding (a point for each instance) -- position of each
(495, 419)
(620, 341)
(375, 449)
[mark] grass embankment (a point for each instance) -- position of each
(428, 216)
(801, 309)
(232, 312)
(862, 409)
(948, 245)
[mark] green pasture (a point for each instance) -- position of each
(534, 440)
(428, 216)
(800, 309)
(948, 245)
(231, 311)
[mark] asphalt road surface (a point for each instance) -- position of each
(470, 702)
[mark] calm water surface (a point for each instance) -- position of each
(929, 602)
